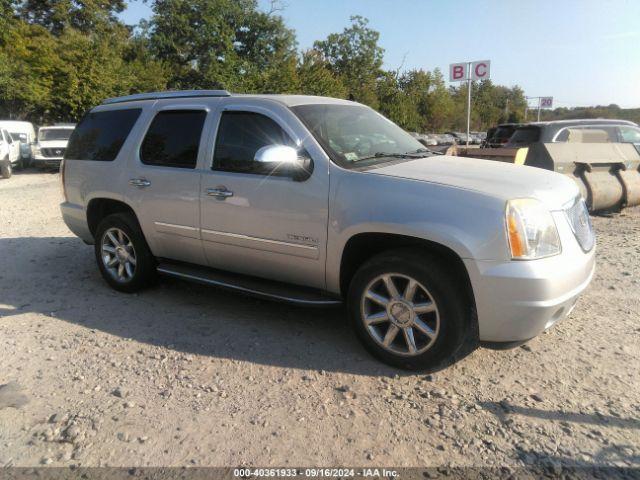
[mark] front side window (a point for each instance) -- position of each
(355, 136)
(240, 136)
(173, 139)
(630, 134)
(100, 135)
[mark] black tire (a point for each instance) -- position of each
(450, 294)
(145, 271)
(6, 170)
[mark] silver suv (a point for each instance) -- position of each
(317, 201)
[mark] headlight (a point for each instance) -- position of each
(531, 230)
(36, 150)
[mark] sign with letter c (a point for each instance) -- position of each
(481, 70)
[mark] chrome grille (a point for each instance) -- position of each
(52, 152)
(580, 222)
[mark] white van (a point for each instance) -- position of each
(51, 145)
(25, 133)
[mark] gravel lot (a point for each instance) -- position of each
(185, 375)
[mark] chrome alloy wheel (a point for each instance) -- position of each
(400, 314)
(118, 255)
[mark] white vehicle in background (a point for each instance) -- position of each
(25, 134)
(52, 143)
(9, 153)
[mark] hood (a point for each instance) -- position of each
(53, 143)
(497, 179)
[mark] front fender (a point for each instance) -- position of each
(468, 222)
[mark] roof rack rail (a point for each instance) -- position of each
(169, 94)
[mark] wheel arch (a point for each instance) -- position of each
(99, 208)
(363, 246)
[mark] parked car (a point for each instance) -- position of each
(9, 153)
(498, 136)
(614, 131)
(269, 196)
(25, 134)
(52, 143)
(446, 139)
(425, 139)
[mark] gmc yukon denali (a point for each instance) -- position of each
(320, 201)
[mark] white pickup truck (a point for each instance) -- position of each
(9, 153)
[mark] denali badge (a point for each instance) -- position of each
(301, 238)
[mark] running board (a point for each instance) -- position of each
(257, 287)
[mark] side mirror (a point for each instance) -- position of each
(284, 160)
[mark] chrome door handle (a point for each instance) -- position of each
(139, 182)
(220, 192)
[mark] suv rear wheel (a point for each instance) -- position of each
(122, 253)
(408, 310)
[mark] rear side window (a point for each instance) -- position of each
(99, 135)
(240, 136)
(525, 135)
(173, 139)
(588, 134)
(503, 133)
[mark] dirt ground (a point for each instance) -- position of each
(185, 375)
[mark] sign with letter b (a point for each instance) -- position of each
(457, 72)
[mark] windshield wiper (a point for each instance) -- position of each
(419, 151)
(385, 154)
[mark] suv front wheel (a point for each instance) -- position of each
(122, 253)
(408, 310)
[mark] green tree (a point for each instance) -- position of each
(316, 77)
(396, 103)
(218, 43)
(84, 15)
(356, 57)
(27, 66)
(94, 67)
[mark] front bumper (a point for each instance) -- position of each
(517, 300)
(46, 162)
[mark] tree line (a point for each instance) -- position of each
(58, 58)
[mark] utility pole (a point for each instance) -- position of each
(539, 105)
(468, 103)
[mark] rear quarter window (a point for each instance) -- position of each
(100, 135)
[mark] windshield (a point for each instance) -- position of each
(19, 137)
(355, 135)
(55, 134)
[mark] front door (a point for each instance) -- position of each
(164, 182)
(257, 223)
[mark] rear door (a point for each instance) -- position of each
(163, 180)
(13, 146)
(267, 225)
